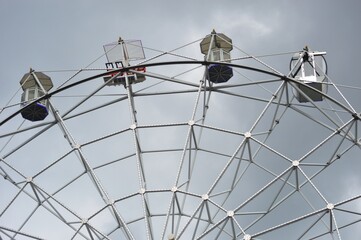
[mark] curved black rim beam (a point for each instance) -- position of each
(204, 63)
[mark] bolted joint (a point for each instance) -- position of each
(356, 116)
(295, 163)
(330, 206)
(247, 237)
(248, 135)
(142, 191)
(205, 197)
(230, 213)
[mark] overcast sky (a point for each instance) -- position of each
(57, 35)
(53, 35)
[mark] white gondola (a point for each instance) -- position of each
(310, 69)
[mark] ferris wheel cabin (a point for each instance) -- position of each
(119, 54)
(310, 69)
(217, 47)
(35, 85)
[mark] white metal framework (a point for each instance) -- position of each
(179, 157)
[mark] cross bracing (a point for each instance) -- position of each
(178, 156)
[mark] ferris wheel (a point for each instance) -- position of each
(204, 141)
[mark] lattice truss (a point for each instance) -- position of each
(179, 157)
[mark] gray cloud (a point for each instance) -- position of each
(49, 35)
